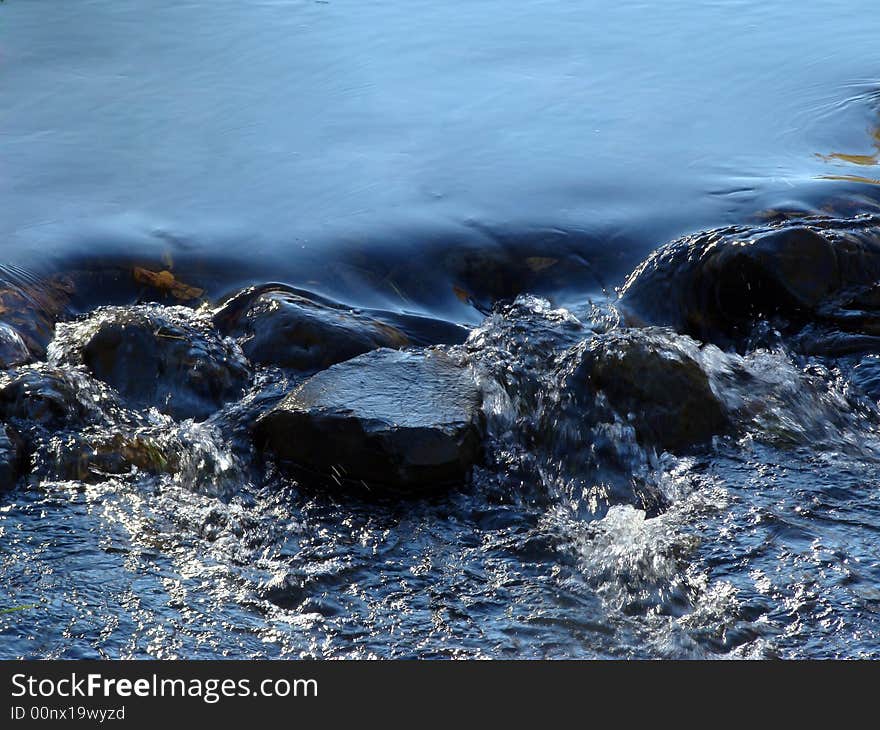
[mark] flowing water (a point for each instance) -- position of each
(430, 158)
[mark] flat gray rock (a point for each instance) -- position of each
(403, 420)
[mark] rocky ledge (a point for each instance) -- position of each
(400, 420)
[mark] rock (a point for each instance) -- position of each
(402, 420)
(866, 375)
(88, 457)
(11, 457)
(284, 328)
(714, 285)
(55, 398)
(654, 379)
(13, 350)
(832, 343)
(167, 357)
(420, 330)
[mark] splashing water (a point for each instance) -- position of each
(574, 539)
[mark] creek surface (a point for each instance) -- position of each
(432, 159)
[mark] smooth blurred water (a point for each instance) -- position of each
(322, 142)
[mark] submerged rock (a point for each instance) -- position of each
(287, 329)
(715, 285)
(11, 457)
(404, 420)
(167, 357)
(89, 456)
(651, 377)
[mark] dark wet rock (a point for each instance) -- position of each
(826, 342)
(167, 357)
(422, 331)
(51, 397)
(866, 375)
(13, 350)
(285, 328)
(651, 377)
(404, 420)
(11, 457)
(714, 285)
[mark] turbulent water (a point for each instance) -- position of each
(433, 158)
(571, 540)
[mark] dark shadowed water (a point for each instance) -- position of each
(416, 156)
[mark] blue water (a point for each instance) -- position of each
(309, 140)
(373, 151)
